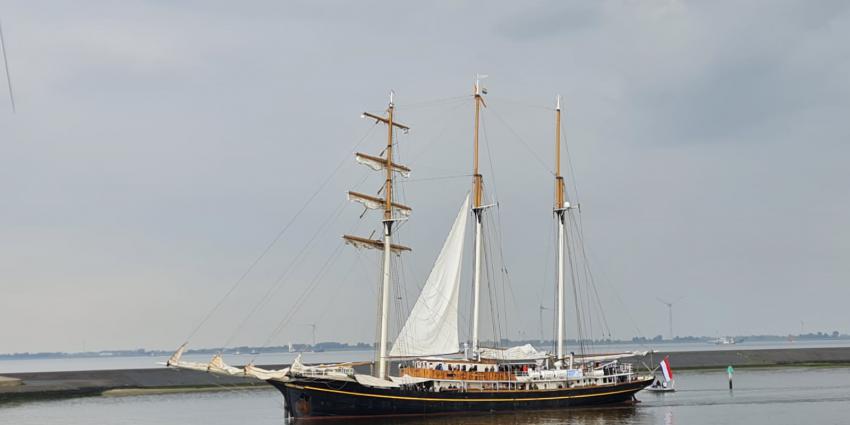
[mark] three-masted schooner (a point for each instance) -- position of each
(432, 373)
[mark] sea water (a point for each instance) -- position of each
(799, 395)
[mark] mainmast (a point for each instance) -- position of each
(478, 210)
(560, 209)
(386, 163)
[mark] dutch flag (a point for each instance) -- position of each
(665, 369)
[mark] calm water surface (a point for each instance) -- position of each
(761, 396)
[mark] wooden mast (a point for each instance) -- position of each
(559, 181)
(478, 211)
(476, 177)
(376, 163)
(388, 227)
(388, 187)
(560, 208)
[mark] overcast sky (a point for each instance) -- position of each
(159, 146)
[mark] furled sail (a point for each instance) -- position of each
(522, 352)
(432, 326)
(260, 373)
(217, 365)
(377, 163)
(359, 242)
(374, 203)
(176, 361)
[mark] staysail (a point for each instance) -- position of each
(431, 327)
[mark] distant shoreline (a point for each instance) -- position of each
(342, 347)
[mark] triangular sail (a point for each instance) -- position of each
(432, 326)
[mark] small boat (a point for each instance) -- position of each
(668, 385)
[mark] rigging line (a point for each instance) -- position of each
(488, 272)
(504, 309)
(439, 178)
(504, 276)
(490, 235)
(546, 270)
(624, 307)
(6, 64)
(402, 304)
(587, 299)
(279, 235)
(569, 156)
(403, 300)
(552, 253)
(377, 285)
(520, 103)
(278, 283)
(575, 224)
(443, 118)
(395, 300)
(502, 313)
(432, 102)
(304, 294)
(334, 295)
(524, 143)
(589, 273)
(576, 300)
(405, 308)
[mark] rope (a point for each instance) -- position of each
(520, 103)
(432, 102)
(275, 287)
(449, 113)
(304, 295)
(277, 237)
(6, 64)
(439, 178)
(524, 143)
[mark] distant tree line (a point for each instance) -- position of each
(362, 346)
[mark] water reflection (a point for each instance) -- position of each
(626, 415)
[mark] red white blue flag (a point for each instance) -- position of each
(665, 369)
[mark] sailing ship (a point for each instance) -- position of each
(425, 371)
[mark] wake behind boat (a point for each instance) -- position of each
(425, 370)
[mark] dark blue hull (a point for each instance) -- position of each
(319, 398)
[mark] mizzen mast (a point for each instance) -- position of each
(477, 210)
(371, 202)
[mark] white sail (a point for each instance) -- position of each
(432, 325)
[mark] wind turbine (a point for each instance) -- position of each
(313, 326)
(669, 305)
(540, 312)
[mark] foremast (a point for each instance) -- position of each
(477, 210)
(386, 163)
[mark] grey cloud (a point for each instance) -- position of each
(159, 146)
